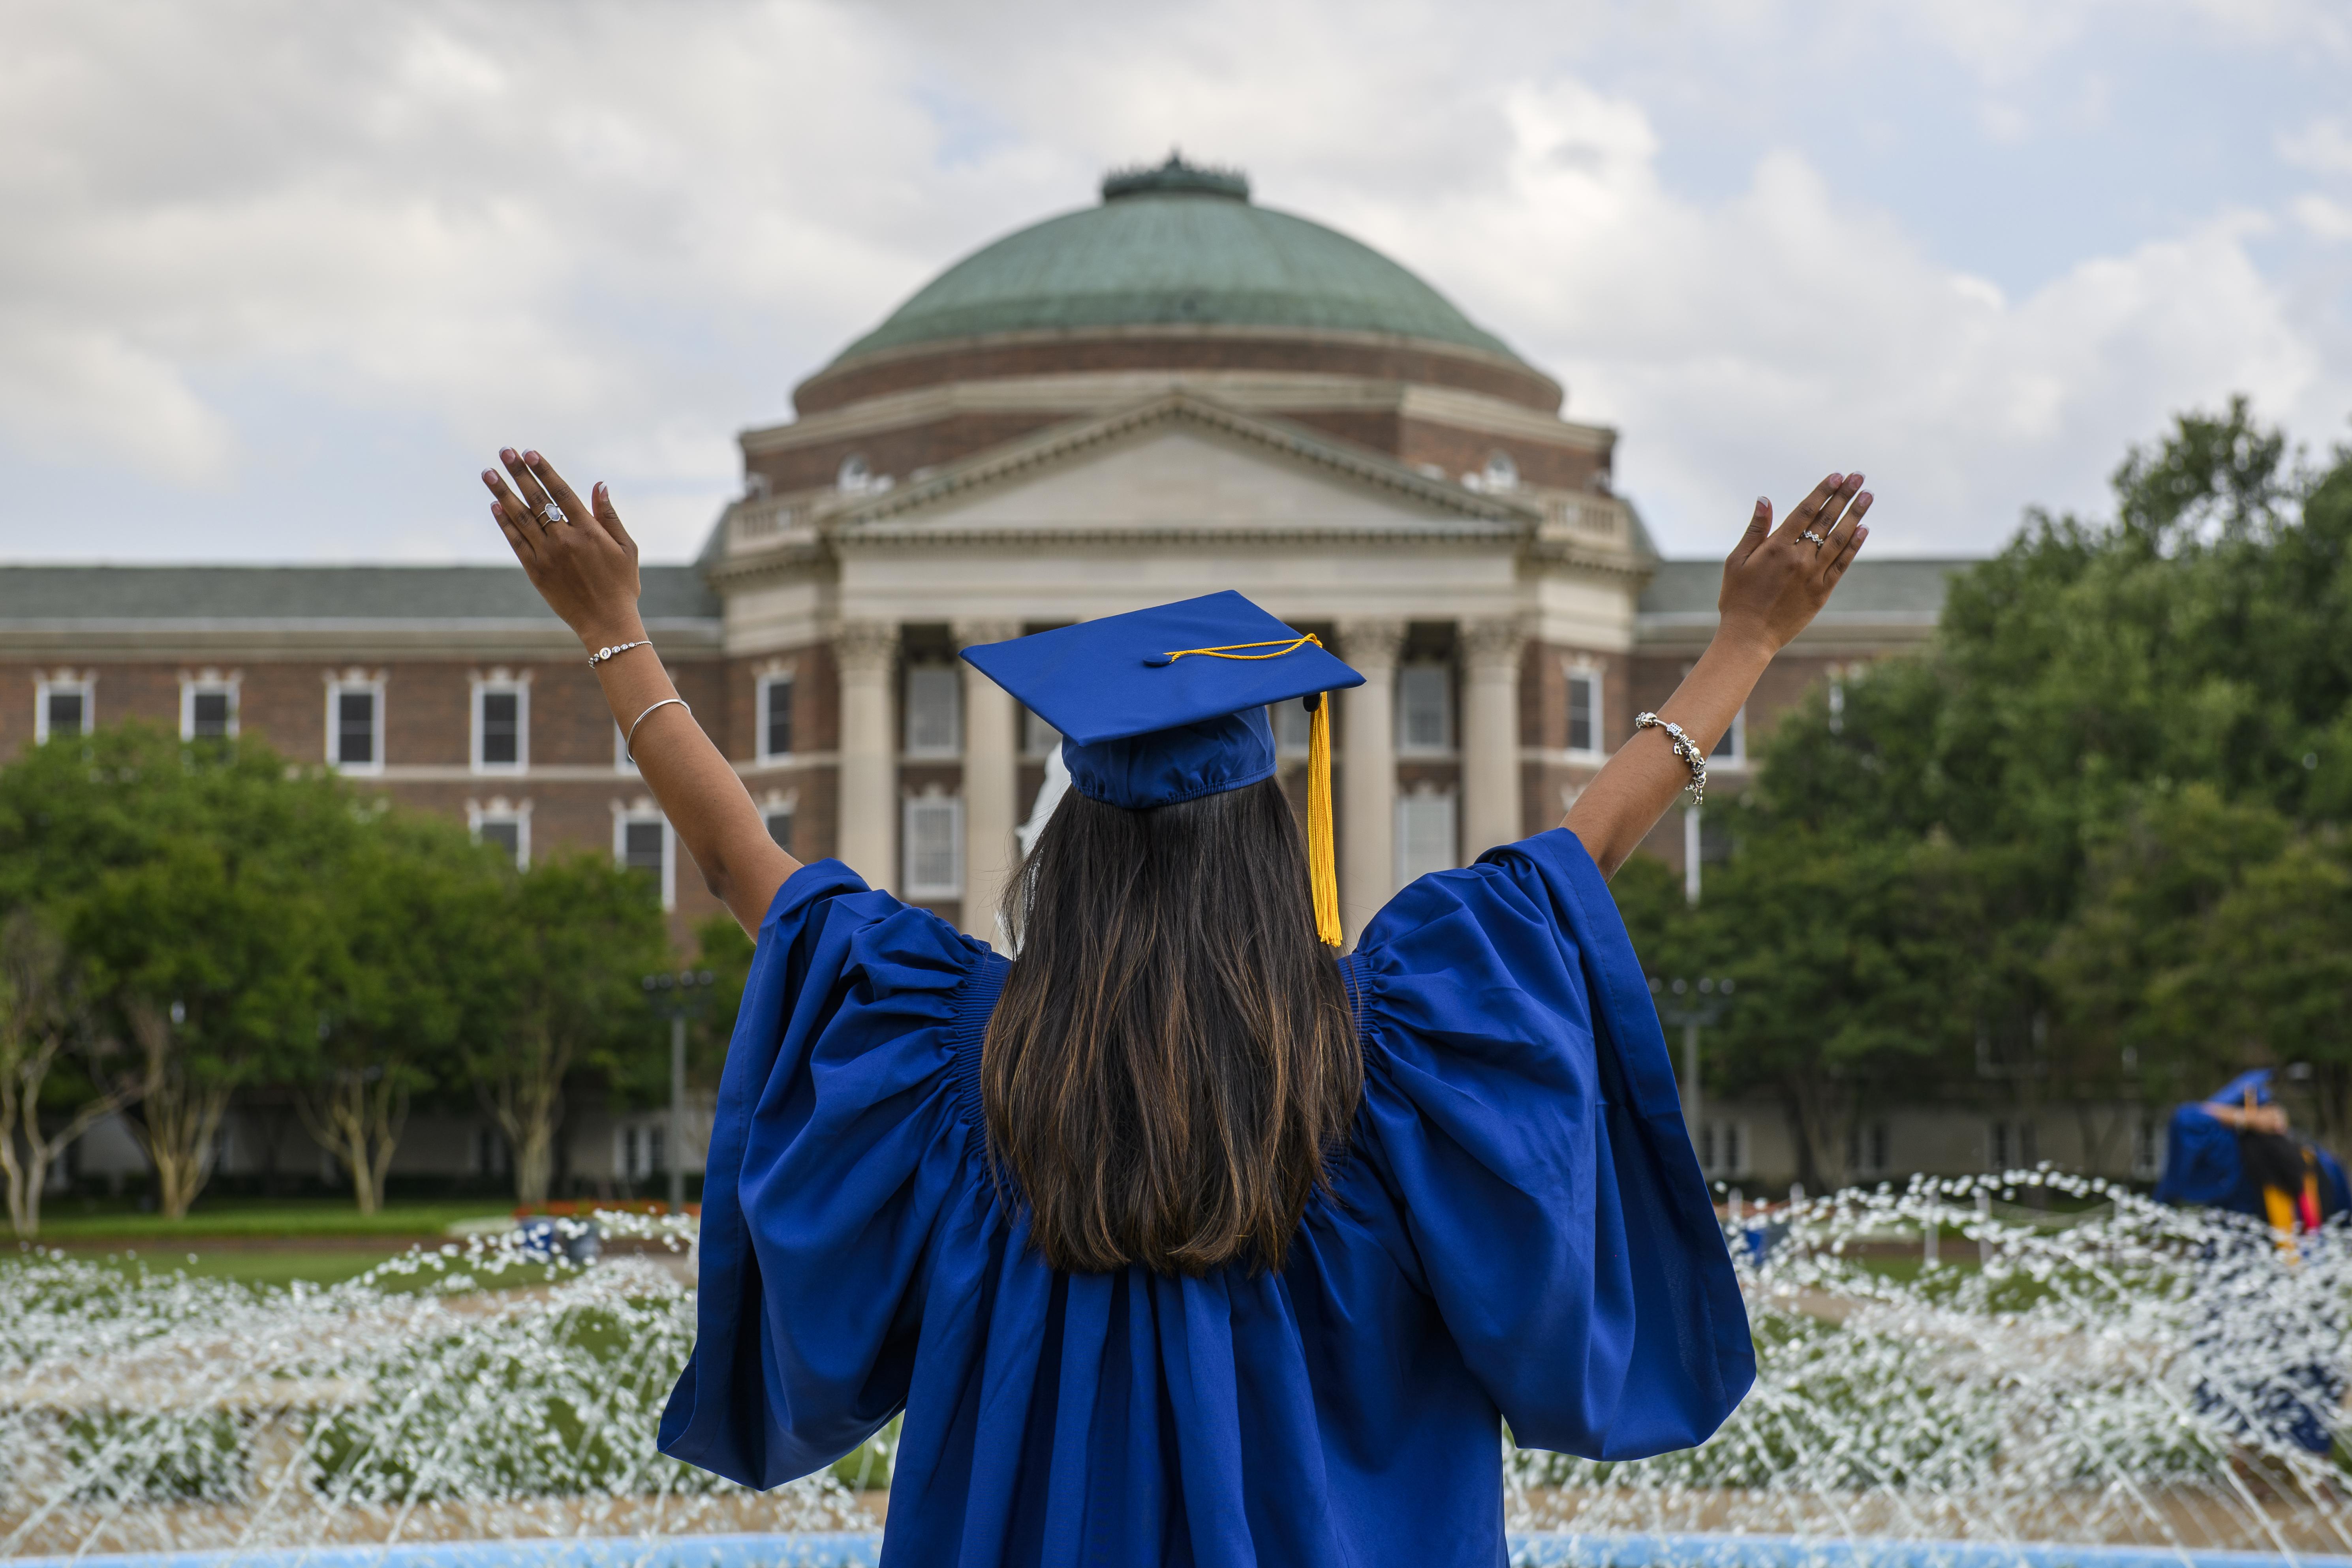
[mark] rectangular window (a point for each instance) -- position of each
(504, 832)
(643, 842)
(489, 1152)
(207, 711)
(1425, 708)
(934, 840)
(1424, 834)
(1037, 737)
(934, 710)
(780, 828)
(1731, 752)
(1292, 725)
(499, 720)
(1723, 1148)
(775, 716)
(355, 728)
(1584, 711)
(1866, 1149)
(2011, 1145)
(61, 708)
(2147, 1148)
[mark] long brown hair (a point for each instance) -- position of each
(1173, 1058)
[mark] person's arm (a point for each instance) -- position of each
(585, 567)
(2246, 1118)
(1773, 585)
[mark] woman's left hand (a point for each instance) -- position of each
(582, 561)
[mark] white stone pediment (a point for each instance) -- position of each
(1177, 467)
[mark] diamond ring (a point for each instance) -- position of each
(550, 514)
(1816, 539)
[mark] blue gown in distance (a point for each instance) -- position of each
(1518, 1231)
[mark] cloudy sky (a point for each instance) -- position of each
(276, 278)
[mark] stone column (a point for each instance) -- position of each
(1490, 736)
(1368, 772)
(866, 654)
(991, 782)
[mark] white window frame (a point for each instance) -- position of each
(1038, 738)
(780, 803)
(1600, 747)
(647, 811)
(498, 680)
(208, 681)
(1724, 1150)
(1423, 796)
(953, 747)
(951, 887)
(1736, 738)
(336, 686)
(84, 686)
(499, 810)
(764, 691)
(1406, 746)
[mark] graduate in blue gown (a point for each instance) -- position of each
(2232, 1149)
(1178, 1237)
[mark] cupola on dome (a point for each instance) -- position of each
(1175, 243)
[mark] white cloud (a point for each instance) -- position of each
(403, 235)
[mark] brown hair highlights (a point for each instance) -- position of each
(1173, 1056)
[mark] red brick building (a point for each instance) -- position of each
(1173, 392)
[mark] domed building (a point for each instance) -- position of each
(1171, 392)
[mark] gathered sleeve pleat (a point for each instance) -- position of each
(1521, 1110)
(836, 1147)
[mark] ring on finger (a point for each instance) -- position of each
(1815, 540)
(550, 514)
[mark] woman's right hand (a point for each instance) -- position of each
(1776, 581)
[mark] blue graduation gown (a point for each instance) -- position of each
(1518, 1231)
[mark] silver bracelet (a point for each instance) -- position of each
(602, 654)
(1685, 748)
(629, 744)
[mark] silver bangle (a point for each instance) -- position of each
(1685, 748)
(602, 654)
(629, 743)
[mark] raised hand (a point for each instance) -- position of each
(1776, 581)
(580, 558)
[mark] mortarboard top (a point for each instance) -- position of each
(2255, 1083)
(1169, 704)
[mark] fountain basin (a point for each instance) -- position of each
(863, 1550)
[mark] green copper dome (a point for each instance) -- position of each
(1174, 245)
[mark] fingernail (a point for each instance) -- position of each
(1860, 534)
(531, 457)
(488, 477)
(1763, 501)
(1854, 479)
(506, 454)
(1836, 479)
(600, 489)
(1863, 500)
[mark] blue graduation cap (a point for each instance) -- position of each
(1168, 704)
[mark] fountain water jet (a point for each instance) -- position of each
(2104, 1373)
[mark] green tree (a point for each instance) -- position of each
(412, 957)
(577, 934)
(191, 879)
(51, 1041)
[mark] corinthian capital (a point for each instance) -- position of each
(971, 634)
(1372, 644)
(865, 647)
(1492, 644)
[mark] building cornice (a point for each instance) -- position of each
(1021, 458)
(340, 639)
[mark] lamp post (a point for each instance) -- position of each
(679, 997)
(1695, 1005)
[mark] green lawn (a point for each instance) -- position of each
(70, 1221)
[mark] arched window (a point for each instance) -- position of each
(1502, 473)
(855, 473)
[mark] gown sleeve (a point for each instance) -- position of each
(837, 1146)
(2201, 1163)
(1521, 1108)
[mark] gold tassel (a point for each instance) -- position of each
(1322, 867)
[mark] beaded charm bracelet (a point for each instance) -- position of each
(1685, 748)
(604, 654)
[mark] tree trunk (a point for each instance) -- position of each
(22, 1074)
(528, 1101)
(359, 1120)
(1812, 1117)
